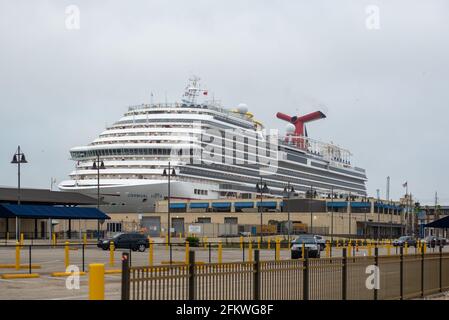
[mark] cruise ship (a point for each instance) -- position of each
(209, 152)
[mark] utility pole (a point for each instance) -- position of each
(388, 189)
(378, 213)
(436, 213)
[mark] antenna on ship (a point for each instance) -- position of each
(192, 90)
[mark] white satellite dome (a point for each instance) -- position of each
(242, 108)
(290, 128)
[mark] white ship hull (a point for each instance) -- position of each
(138, 196)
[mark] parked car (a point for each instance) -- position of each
(434, 241)
(310, 244)
(134, 241)
(321, 241)
(400, 242)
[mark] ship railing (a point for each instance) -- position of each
(209, 106)
(328, 151)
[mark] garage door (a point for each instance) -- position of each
(152, 225)
(178, 225)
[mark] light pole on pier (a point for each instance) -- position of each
(18, 158)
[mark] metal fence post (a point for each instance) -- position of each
(441, 268)
(192, 285)
(344, 274)
(210, 252)
(401, 273)
(83, 255)
(29, 258)
(376, 263)
(422, 273)
(256, 279)
(125, 276)
(305, 275)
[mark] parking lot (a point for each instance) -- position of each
(51, 260)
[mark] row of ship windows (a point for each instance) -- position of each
(200, 191)
(137, 141)
(231, 137)
(133, 134)
(133, 176)
(119, 152)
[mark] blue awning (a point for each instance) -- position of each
(246, 204)
(178, 205)
(221, 205)
(199, 205)
(440, 223)
(50, 212)
(338, 204)
(360, 204)
(267, 204)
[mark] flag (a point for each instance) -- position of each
(404, 184)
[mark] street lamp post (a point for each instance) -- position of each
(262, 188)
(332, 216)
(349, 213)
(98, 165)
(18, 158)
(378, 214)
(287, 191)
(311, 211)
(364, 225)
(168, 173)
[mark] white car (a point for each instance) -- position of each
(310, 244)
(321, 241)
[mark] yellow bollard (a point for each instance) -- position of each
(66, 255)
(180, 236)
(258, 243)
(349, 249)
(54, 239)
(250, 251)
(85, 239)
(166, 241)
(278, 249)
(220, 252)
(424, 248)
(303, 251)
(111, 253)
(406, 248)
(17, 255)
(187, 251)
(241, 242)
(21, 239)
(328, 249)
(205, 242)
(150, 253)
(96, 281)
(269, 244)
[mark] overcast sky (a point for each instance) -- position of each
(383, 83)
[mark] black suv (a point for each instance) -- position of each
(134, 241)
